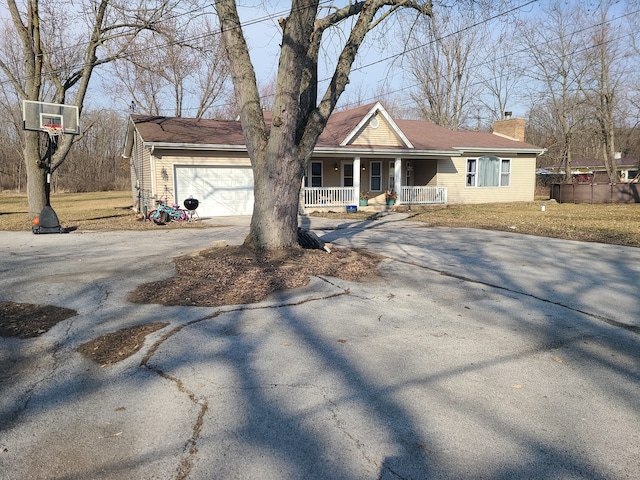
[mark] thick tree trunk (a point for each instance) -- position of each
(278, 156)
(36, 180)
(274, 222)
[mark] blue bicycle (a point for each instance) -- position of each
(164, 214)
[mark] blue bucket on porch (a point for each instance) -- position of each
(352, 208)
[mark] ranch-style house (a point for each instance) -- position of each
(363, 152)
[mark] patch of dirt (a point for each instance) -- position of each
(116, 346)
(27, 320)
(238, 275)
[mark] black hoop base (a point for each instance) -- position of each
(48, 222)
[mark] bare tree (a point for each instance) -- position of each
(278, 156)
(95, 163)
(602, 85)
(501, 73)
(441, 66)
(167, 71)
(59, 46)
(552, 43)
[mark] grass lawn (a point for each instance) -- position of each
(85, 211)
(607, 223)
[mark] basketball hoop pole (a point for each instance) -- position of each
(47, 171)
(48, 220)
(54, 132)
(56, 120)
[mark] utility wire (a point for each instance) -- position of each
(273, 16)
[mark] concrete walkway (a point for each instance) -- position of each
(477, 355)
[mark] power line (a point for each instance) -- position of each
(271, 17)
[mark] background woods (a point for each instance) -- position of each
(569, 68)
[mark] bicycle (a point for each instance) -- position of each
(165, 213)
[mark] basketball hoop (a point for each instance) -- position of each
(53, 130)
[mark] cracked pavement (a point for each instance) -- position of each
(477, 355)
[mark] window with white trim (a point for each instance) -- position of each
(314, 175)
(347, 174)
(375, 182)
(488, 171)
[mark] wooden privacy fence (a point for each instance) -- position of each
(596, 192)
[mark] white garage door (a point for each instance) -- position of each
(221, 191)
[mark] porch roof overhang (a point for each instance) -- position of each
(351, 151)
(324, 151)
(504, 151)
(383, 152)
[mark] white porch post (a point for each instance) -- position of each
(356, 180)
(397, 178)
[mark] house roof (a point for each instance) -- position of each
(341, 129)
(154, 129)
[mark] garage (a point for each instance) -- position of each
(221, 190)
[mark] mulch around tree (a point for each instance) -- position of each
(219, 276)
(236, 275)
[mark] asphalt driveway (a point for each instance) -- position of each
(477, 355)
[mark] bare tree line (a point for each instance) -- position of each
(572, 64)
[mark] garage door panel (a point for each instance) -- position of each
(221, 191)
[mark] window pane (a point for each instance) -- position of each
(471, 173)
(348, 170)
(316, 175)
(488, 172)
(376, 176)
(347, 178)
(505, 176)
(471, 166)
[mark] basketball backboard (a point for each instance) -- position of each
(37, 115)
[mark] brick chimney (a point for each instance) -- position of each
(512, 128)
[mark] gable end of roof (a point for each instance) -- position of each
(376, 109)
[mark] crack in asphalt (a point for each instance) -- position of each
(190, 448)
(615, 323)
(30, 391)
(360, 446)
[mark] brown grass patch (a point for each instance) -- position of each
(606, 223)
(84, 211)
(617, 224)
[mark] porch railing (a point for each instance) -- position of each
(424, 195)
(343, 196)
(328, 196)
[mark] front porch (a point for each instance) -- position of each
(323, 198)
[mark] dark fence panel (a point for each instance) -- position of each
(596, 192)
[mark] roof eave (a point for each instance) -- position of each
(535, 151)
(379, 152)
(194, 146)
(128, 144)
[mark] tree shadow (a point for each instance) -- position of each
(416, 378)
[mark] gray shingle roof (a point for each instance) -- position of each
(423, 135)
